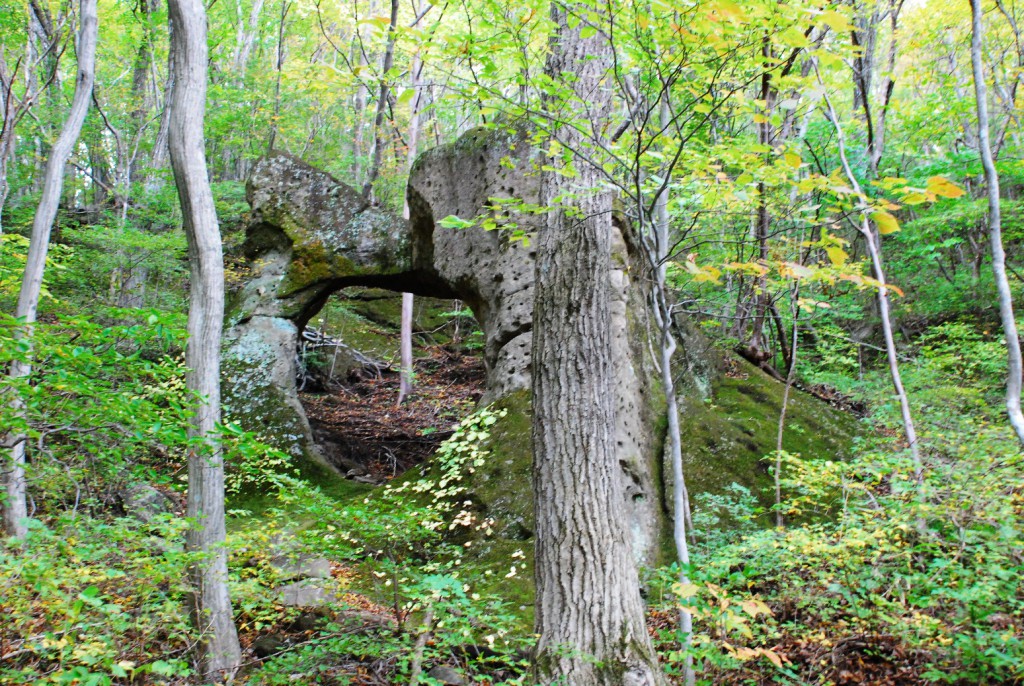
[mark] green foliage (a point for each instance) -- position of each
(105, 404)
(88, 601)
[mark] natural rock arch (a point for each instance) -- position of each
(310, 236)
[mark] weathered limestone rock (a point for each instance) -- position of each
(447, 675)
(475, 178)
(301, 566)
(310, 236)
(491, 273)
(309, 593)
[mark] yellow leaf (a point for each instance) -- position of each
(914, 198)
(798, 271)
(944, 187)
(793, 160)
(772, 656)
(836, 21)
(886, 222)
(837, 255)
(730, 8)
(687, 590)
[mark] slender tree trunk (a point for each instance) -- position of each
(790, 378)
(219, 646)
(8, 139)
(658, 255)
(995, 236)
(407, 298)
(405, 384)
(245, 36)
(382, 102)
(882, 291)
(362, 93)
(158, 158)
(763, 219)
(285, 6)
(589, 614)
(16, 510)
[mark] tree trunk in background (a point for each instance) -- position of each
(589, 614)
(1013, 381)
(406, 383)
(16, 510)
(245, 36)
(8, 139)
(220, 651)
(285, 6)
(45, 77)
(382, 102)
(790, 378)
(882, 291)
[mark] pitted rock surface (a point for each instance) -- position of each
(311, 235)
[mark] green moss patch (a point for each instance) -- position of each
(726, 438)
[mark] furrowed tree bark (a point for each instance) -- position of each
(589, 614)
(995, 235)
(15, 509)
(219, 649)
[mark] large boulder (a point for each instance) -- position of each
(483, 178)
(310, 236)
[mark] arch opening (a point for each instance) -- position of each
(348, 375)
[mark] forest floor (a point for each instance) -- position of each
(368, 436)
(373, 440)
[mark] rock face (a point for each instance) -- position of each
(145, 503)
(492, 274)
(478, 178)
(311, 235)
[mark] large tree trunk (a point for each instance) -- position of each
(220, 651)
(1013, 381)
(589, 614)
(16, 510)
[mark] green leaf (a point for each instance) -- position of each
(453, 222)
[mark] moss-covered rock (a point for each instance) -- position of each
(311, 236)
(727, 436)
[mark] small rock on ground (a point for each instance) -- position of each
(447, 675)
